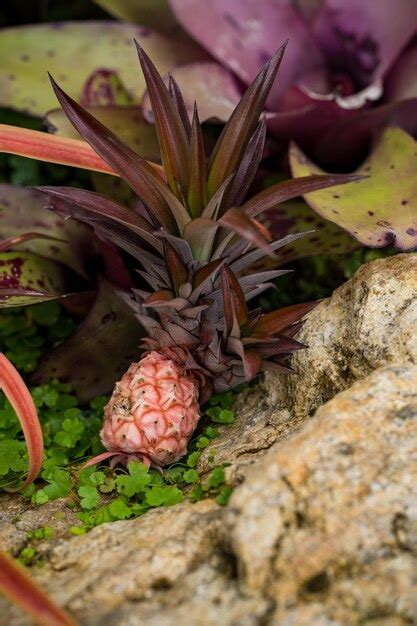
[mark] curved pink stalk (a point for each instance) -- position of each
(17, 585)
(41, 146)
(51, 148)
(19, 397)
(100, 457)
(10, 242)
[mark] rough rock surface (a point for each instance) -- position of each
(322, 530)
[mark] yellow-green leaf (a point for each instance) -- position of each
(72, 52)
(381, 209)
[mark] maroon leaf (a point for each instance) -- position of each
(197, 169)
(248, 167)
(252, 362)
(236, 134)
(178, 100)
(137, 172)
(177, 270)
(234, 303)
(276, 194)
(99, 206)
(249, 258)
(277, 321)
(235, 219)
(172, 136)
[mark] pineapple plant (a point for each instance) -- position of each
(197, 238)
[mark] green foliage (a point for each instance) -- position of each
(25, 334)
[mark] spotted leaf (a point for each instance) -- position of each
(29, 52)
(381, 209)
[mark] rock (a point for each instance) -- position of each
(165, 568)
(370, 321)
(330, 517)
(18, 517)
(321, 529)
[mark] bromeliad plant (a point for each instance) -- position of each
(196, 238)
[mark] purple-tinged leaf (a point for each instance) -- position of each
(124, 121)
(248, 167)
(204, 277)
(258, 278)
(281, 346)
(21, 589)
(97, 207)
(354, 135)
(176, 267)
(241, 125)
(236, 220)
(206, 272)
(211, 86)
(242, 34)
(197, 169)
(365, 38)
(137, 172)
(115, 269)
(389, 214)
(178, 100)
(252, 363)
(277, 321)
(401, 83)
(214, 205)
(172, 136)
(17, 393)
(271, 197)
(234, 302)
(250, 258)
(99, 352)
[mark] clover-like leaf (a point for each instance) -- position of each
(73, 52)
(381, 209)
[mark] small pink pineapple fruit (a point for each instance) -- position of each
(152, 412)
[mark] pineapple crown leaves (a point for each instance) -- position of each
(197, 234)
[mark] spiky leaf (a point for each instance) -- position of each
(125, 122)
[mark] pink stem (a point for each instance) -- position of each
(19, 397)
(17, 585)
